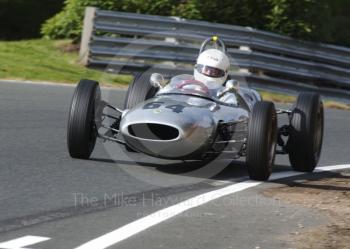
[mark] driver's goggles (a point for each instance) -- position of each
(210, 71)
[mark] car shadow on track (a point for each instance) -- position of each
(193, 168)
(233, 170)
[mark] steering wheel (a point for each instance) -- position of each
(204, 88)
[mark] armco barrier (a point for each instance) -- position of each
(129, 42)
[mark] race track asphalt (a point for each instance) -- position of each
(44, 192)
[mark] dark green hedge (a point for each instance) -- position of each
(68, 23)
(315, 20)
(22, 19)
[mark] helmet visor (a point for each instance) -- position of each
(210, 71)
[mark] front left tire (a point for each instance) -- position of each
(82, 131)
(261, 141)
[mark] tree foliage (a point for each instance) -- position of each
(316, 20)
(21, 19)
(300, 19)
(68, 23)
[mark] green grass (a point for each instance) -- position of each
(44, 60)
(285, 98)
(277, 97)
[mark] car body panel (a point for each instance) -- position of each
(196, 118)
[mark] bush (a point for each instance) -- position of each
(68, 23)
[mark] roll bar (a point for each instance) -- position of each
(214, 40)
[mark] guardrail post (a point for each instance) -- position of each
(88, 27)
(246, 49)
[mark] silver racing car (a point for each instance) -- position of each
(184, 118)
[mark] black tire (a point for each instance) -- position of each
(261, 142)
(82, 133)
(306, 133)
(139, 90)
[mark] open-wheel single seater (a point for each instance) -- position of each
(182, 118)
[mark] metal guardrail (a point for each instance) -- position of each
(129, 42)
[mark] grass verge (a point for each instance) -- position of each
(285, 98)
(45, 60)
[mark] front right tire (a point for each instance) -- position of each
(306, 133)
(140, 89)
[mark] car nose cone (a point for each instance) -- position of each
(168, 132)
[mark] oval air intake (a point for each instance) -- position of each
(153, 131)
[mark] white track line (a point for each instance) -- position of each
(22, 242)
(333, 167)
(146, 222)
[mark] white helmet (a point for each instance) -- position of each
(212, 68)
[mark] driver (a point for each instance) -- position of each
(212, 69)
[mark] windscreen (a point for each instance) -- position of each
(186, 84)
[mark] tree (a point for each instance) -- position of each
(299, 19)
(21, 19)
(336, 26)
(238, 12)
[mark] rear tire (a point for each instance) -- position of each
(306, 133)
(139, 90)
(82, 132)
(261, 143)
